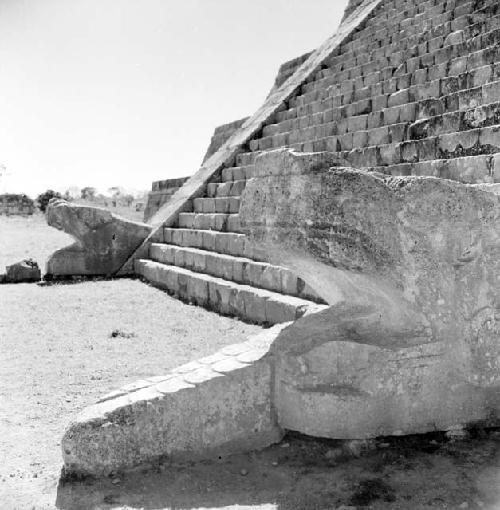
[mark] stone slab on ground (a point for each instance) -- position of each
(26, 270)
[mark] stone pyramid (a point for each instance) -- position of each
(403, 88)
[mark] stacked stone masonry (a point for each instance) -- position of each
(414, 91)
(421, 100)
(11, 204)
(160, 194)
(221, 135)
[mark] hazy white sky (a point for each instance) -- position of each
(124, 92)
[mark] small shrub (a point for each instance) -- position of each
(44, 198)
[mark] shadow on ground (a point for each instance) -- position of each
(416, 472)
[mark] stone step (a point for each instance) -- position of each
(418, 82)
(237, 173)
(469, 169)
(479, 37)
(452, 95)
(227, 205)
(246, 158)
(215, 221)
(254, 305)
(462, 120)
(378, 123)
(349, 89)
(225, 189)
(229, 243)
(236, 269)
(447, 146)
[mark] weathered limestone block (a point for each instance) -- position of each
(25, 271)
(214, 406)
(409, 267)
(103, 240)
(160, 194)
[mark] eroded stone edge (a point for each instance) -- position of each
(91, 427)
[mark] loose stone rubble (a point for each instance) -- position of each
(103, 240)
(376, 241)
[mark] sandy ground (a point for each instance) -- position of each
(28, 237)
(57, 355)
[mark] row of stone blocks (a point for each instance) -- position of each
(469, 169)
(321, 118)
(214, 221)
(389, 145)
(391, 90)
(384, 126)
(382, 42)
(476, 69)
(251, 304)
(229, 243)
(426, 61)
(221, 204)
(236, 269)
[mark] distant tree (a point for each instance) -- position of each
(73, 192)
(68, 196)
(44, 198)
(88, 193)
(114, 191)
(128, 199)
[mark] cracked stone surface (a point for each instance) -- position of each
(103, 240)
(409, 268)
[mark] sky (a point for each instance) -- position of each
(125, 92)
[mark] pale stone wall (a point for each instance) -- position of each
(160, 194)
(11, 204)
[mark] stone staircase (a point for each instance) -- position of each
(405, 87)
(424, 101)
(205, 260)
(422, 98)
